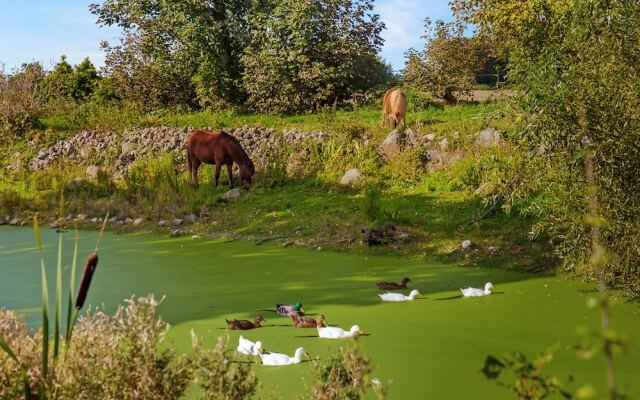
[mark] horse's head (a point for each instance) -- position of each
(246, 174)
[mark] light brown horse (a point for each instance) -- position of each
(218, 148)
(394, 107)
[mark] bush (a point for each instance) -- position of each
(22, 100)
(319, 53)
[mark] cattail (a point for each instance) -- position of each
(89, 269)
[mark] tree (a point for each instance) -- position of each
(449, 62)
(58, 82)
(306, 54)
(22, 99)
(84, 80)
(181, 50)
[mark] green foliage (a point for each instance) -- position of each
(576, 65)
(530, 383)
(344, 376)
(303, 55)
(449, 62)
(22, 100)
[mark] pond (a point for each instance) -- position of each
(433, 347)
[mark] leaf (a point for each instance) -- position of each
(492, 367)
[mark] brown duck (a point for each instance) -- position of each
(244, 324)
(394, 285)
(301, 321)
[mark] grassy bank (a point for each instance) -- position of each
(435, 207)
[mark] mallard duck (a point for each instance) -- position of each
(394, 285)
(473, 292)
(249, 348)
(282, 359)
(300, 321)
(288, 309)
(333, 332)
(399, 296)
(244, 324)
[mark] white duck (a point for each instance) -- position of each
(282, 359)
(246, 346)
(473, 292)
(333, 332)
(399, 296)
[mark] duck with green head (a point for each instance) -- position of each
(288, 309)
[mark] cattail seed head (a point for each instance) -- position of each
(89, 269)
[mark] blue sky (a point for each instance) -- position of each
(43, 30)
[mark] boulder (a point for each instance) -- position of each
(177, 221)
(466, 244)
(92, 172)
(231, 194)
(138, 221)
(391, 144)
(175, 233)
(128, 220)
(350, 177)
(444, 143)
(162, 223)
(430, 137)
(128, 147)
(3, 221)
(488, 137)
(14, 221)
(75, 184)
(81, 217)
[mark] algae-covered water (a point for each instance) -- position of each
(432, 347)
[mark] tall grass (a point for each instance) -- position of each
(46, 361)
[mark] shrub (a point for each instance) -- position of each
(22, 100)
(219, 378)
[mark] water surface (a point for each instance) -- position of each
(432, 347)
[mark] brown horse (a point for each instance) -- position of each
(394, 107)
(218, 148)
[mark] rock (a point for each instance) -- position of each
(412, 137)
(488, 137)
(138, 221)
(430, 137)
(391, 144)
(113, 220)
(231, 194)
(466, 244)
(14, 221)
(162, 223)
(195, 237)
(350, 177)
(444, 143)
(92, 172)
(3, 221)
(53, 225)
(128, 147)
(81, 217)
(69, 217)
(75, 184)
(175, 233)
(128, 220)
(94, 220)
(177, 221)
(191, 218)
(492, 249)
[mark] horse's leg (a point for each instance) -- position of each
(218, 166)
(195, 165)
(229, 169)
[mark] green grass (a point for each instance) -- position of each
(427, 347)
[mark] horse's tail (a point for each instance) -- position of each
(189, 162)
(400, 106)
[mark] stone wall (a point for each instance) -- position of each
(118, 151)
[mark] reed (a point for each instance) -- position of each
(73, 308)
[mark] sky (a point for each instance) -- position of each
(43, 30)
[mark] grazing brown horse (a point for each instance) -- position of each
(394, 107)
(218, 148)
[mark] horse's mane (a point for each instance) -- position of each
(242, 152)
